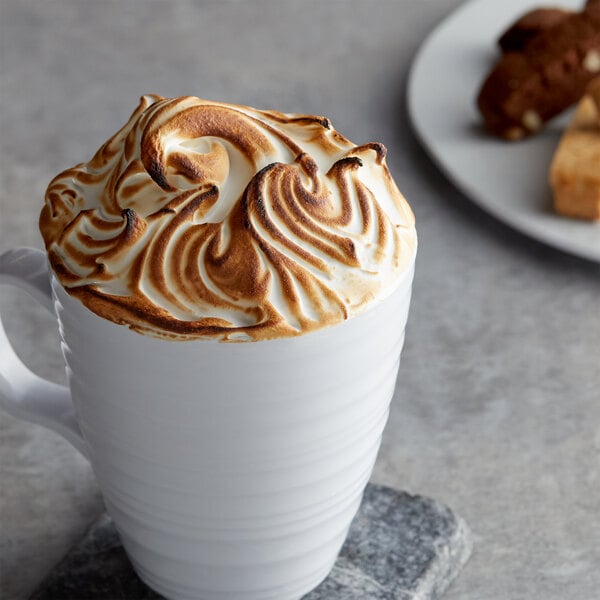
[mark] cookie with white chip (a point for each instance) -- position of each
(527, 88)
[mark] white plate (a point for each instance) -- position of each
(507, 179)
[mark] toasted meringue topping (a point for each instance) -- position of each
(201, 219)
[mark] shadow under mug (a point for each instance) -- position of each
(231, 470)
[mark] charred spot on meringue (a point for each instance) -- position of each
(201, 219)
(379, 149)
(129, 216)
(351, 162)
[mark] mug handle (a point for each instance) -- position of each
(24, 394)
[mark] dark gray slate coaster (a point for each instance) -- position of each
(400, 547)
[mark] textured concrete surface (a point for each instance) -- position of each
(400, 547)
(497, 413)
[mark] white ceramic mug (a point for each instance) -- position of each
(231, 470)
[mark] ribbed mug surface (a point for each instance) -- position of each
(233, 470)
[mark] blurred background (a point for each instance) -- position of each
(497, 411)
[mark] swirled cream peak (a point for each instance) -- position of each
(204, 219)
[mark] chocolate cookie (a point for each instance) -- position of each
(527, 88)
(529, 25)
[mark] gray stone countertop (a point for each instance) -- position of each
(497, 408)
